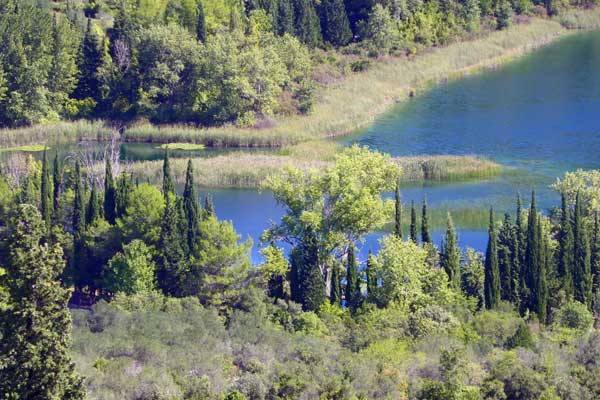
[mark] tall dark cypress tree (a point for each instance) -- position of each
(425, 235)
(413, 223)
(110, 192)
(124, 187)
(353, 296)
(168, 186)
(93, 209)
(334, 22)
(566, 249)
(398, 212)
(371, 279)
(89, 61)
(201, 23)
(172, 258)
(336, 293)
(541, 304)
(491, 278)
(582, 273)
(46, 196)
(595, 256)
(450, 255)
(209, 207)
(533, 260)
(505, 258)
(77, 273)
(515, 296)
(310, 283)
(56, 182)
(192, 209)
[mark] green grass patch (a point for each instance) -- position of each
(32, 148)
(182, 146)
(59, 132)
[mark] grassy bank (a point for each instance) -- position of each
(249, 170)
(59, 132)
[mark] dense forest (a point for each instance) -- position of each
(217, 61)
(165, 303)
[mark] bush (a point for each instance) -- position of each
(574, 315)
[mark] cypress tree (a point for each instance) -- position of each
(425, 235)
(285, 17)
(336, 293)
(595, 256)
(398, 212)
(566, 249)
(36, 326)
(168, 186)
(56, 182)
(413, 223)
(110, 193)
(89, 61)
(491, 278)
(541, 297)
(171, 260)
(310, 283)
(532, 259)
(505, 259)
(201, 23)
(192, 212)
(46, 197)
(93, 210)
(77, 273)
(515, 297)
(371, 278)
(123, 191)
(582, 278)
(334, 22)
(353, 295)
(209, 207)
(450, 255)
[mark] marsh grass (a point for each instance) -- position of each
(474, 218)
(446, 168)
(182, 146)
(32, 148)
(59, 132)
(581, 19)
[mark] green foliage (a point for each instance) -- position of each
(574, 315)
(492, 274)
(131, 271)
(143, 216)
(450, 255)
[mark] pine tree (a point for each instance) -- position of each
(285, 17)
(492, 278)
(93, 210)
(582, 275)
(46, 197)
(336, 293)
(201, 24)
(450, 255)
(172, 258)
(398, 213)
(505, 259)
(566, 249)
(425, 235)
(34, 350)
(306, 24)
(334, 22)
(353, 296)
(110, 193)
(192, 211)
(168, 186)
(413, 223)
(89, 61)
(56, 182)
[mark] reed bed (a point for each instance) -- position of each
(59, 132)
(249, 170)
(584, 19)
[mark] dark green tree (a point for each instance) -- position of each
(93, 209)
(582, 273)
(506, 259)
(492, 274)
(398, 213)
(566, 249)
(209, 207)
(285, 17)
(56, 183)
(352, 293)
(168, 186)
(413, 223)
(336, 291)
(308, 285)
(425, 235)
(541, 305)
(110, 192)
(192, 208)
(306, 24)
(36, 326)
(123, 198)
(450, 255)
(595, 256)
(201, 23)
(89, 61)
(171, 263)
(334, 22)
(371, 279)
(46, 196)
